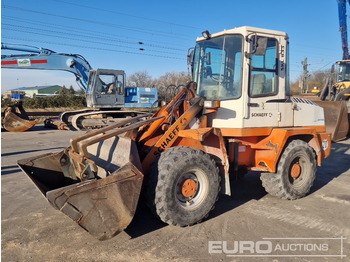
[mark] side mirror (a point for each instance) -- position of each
(260, 46)
(190, 59)
(190, 56)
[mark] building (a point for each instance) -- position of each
(36, 91)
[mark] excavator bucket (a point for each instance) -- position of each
(336, 118)
(16, 119)
(96, 182)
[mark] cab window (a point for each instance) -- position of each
(263, 74)
(106, 84)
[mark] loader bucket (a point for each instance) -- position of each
(16, 119)
(336, 118)
(105, 205)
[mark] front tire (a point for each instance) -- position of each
(183, 186)
(296, 172)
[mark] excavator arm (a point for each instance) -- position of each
(41, 58)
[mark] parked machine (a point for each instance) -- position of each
(235, 115)
(341, 89)
(334, 96)
(336, 93)
(104, 89)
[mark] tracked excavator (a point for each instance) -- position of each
(235, 115)
(104, 89)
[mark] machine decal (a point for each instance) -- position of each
(261, 114)
(172, 134)
(23, 62)
(167, 140)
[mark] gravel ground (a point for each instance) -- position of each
(249, 220)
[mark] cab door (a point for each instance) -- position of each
(263, 83)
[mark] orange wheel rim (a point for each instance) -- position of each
(188, 188)
(296, 170)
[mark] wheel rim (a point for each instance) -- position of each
(298, 172)
(191, 189)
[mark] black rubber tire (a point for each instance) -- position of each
(281, 184)
(167, 174)
(341, 96)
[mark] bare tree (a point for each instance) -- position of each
(173, 78)
(140, 79)
(315, 79)
(167, 84)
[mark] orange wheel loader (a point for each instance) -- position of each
(236, 115)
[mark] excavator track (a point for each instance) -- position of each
(99, 119)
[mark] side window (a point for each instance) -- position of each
(120, 84)
(264, 71)
(91, 81)
(106, 84)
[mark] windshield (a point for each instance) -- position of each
(217, 67)
(107, 83)
(344, 72)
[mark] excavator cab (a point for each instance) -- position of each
(105, 88)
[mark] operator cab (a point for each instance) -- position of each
(245, 69)
(105, 88)
(343, 74)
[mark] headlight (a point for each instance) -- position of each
(211, 104)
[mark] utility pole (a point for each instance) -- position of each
(304, 77)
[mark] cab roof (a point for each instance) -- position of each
(245, 30)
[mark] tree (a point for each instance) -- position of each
(318, 79)
(140, 79)
(71, 90)
(63, 91)
(315, 79)
(173, 78)
(81, 92)
(164, 82)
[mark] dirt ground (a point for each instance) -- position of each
(247, 226)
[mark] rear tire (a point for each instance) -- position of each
(183, 186)
(296, 172)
